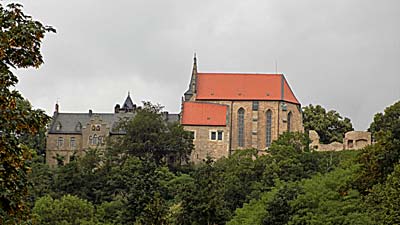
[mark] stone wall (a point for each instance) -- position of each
(254, 128)
(356, 139)
(204, 146)
(352, 140)
(65, 150)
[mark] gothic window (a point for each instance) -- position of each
(93, 127)
(58, 126)
(101, 140)
(95, 139)
(268, 127)
(72, 142)
(60, 142)
(289, 121)
(78, 126)
(98, 127)
(241, 127)
(90, 140)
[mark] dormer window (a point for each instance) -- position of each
(78, 126)
(58, 126)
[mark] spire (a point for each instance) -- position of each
(192, 86)
(128, 105)
(194, 74)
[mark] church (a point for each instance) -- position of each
(227, 112)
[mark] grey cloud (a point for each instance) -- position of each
(340, 54)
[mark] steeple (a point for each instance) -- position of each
(128, 105)
(192, 86)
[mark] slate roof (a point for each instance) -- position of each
(242, 86)
(128, 104)
(201, 113)
(70, 121)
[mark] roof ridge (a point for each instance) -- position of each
(238, 73)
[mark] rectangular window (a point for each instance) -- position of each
(213, 135)
(60, 142)
(255, 106)
(220, 135)
(72, 142)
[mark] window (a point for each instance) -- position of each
(72, 142)
(241, 127)
(220, 135)
(213, 135)
(289, 121)
(268, 127)
(78, 126)
(98, 127)
(90, 140)
(95, 139)
(101, 140)
(58, 126)
(93, 127)
(255, 106)
(60, 142)
(216, 135)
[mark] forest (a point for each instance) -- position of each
(134, 182)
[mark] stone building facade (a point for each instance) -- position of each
(232, 111)
(71, 134)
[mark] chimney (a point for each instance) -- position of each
(116, 108)
(90, 112)
(56, 109)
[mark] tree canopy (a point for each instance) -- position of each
(329, 125)
(20, 41)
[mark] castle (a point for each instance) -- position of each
(232, 111)
(224, 111)
(71, 134)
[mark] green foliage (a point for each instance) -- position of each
(68, 210)
(20, 40)
(204, 203)
(327, 199)
(148, 135)
(383, 199)
(378, 160)
(387, 121)
(330, 125)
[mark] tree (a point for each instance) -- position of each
(68, 210)
(330, 125)
(381, 202)
(388, 121)
(20, 40)
(378, 160)
(148, 135)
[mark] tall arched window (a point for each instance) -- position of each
(95, 139)
(241, 127)
(289, 121)
(268, 127)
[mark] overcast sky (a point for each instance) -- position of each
(342, 54)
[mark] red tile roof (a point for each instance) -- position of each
(208, 114)
(235, 86)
